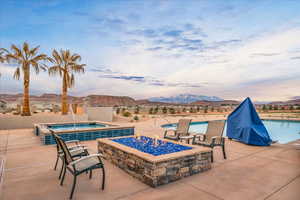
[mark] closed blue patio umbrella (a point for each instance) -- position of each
(244, 125)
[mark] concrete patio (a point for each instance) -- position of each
(248, 173)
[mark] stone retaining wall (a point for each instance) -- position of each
(156, 173)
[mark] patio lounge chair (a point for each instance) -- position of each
(182, 130)
(213, 137)
(76, 151)
(81, 165)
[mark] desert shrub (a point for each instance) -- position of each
(172, 111)
(126, 114)
(136, 118)
(137, 110)
(151, 111)
(165, 110)
(155, 110)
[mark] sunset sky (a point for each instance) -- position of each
(229, 49)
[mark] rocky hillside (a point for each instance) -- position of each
(92, 100)
(105, 100)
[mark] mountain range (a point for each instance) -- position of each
(185, 99)
(107, 100)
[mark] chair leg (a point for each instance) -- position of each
(103, 178)
(56, 163)
(224, 153)
(61, 170)
(63, 176)
(73, 187)
(91, 172)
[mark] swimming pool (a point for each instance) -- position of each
(283, 131)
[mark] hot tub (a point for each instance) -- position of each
(80, 131)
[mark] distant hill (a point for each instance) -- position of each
(185, 99)
(92, 100)
(216, 103)
(105, 100)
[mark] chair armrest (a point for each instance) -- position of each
(76, 146)
(166, 131)
(76, 149)
(99, 155)
(200, 136)
(217, 140)
(72, 141)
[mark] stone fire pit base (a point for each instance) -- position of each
(156, 170)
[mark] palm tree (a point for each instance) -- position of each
(26, 58)
(65, 64)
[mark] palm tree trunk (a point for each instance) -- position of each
(64, 97)
(26, 106)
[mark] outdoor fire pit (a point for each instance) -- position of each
(155, 161)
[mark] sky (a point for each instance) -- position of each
(230, 49)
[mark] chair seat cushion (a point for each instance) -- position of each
(75, 152)
(87, 163)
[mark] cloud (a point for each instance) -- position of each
(265, 54)
(173, 33)
(148, 33)
(125, 77)
(295, 58)
(154, 48)
(148, 80)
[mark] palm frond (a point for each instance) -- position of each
(26, 49)
(33, 51)
(55, 70)
(40, 57)
(17, 73)
(72, 80)
(75, 57)
(12, 57)
(35, 66)
(17, 52)
(57, 58)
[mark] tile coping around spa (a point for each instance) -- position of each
(155, 159)
(109, 127)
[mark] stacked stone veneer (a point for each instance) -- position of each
(155, 173)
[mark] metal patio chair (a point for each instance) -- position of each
(81, 165)
(213, 137)
(76, 150)
(181, 131)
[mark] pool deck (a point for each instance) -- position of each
(249, 172)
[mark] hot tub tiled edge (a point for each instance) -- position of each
(83, 135)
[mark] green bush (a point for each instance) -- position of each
(136, 118)
(151, 111)
(126, 114)
(165, 110)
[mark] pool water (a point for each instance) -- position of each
(147, 145)
(64, 127)
(283, 131)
